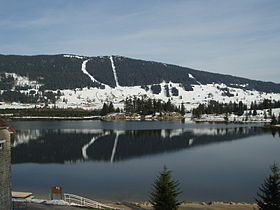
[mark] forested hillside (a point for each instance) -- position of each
(63, 72)
(91, 81)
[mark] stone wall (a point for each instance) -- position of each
(5, 171)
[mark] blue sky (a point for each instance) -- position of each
(240, 37)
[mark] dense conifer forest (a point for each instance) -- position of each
(151, 106)
(234, 108)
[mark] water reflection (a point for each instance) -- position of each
(74, 145)
(274, 131)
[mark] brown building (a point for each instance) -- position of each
(5, 166)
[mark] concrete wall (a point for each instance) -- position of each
(5, 171)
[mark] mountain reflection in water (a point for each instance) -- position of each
(73, 145)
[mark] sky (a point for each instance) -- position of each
(240, 37)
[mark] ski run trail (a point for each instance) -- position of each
(84, 70)
(114, 71)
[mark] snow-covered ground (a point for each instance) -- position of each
(245, 118)
(74, 56)
(49, 202)
(93, 98)
(23, 81)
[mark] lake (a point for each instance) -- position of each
(116, 161)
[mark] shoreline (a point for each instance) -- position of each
(214, 205)
(142, 119)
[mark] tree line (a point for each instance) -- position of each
(29, 97)
(239, 108)
(215, 107)
(149, 106)
(143, 106)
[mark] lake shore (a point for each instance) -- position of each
(209, 206)
(147, 206)
(164, 116)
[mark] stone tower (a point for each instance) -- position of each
(5, 168)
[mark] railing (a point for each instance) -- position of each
(70, 198)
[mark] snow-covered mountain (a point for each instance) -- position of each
(88, 82)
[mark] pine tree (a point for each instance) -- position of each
(270, 112)
(255, 112)
(240, 109)
(165, 192)
(128, 106)
(182, 109)
(269, 196)
(104, 109)
(111, 108)
(226, 117)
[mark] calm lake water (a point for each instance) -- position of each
(120, 160)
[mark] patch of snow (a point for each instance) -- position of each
(191, 76)
(50, 202)
(15, 105)
(24, 81)
(84, 70)
(114, 71)
(241, 85)
(73, 56)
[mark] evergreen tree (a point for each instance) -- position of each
(247, 117)
(165, 192)
(269, 196)
(182, 109)
(128, 106)
(148, 107)
(270, 112)
(240, 109)
(169, 107)
(104, 109)
(255, 112)
(111, 108)
(226, 117)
